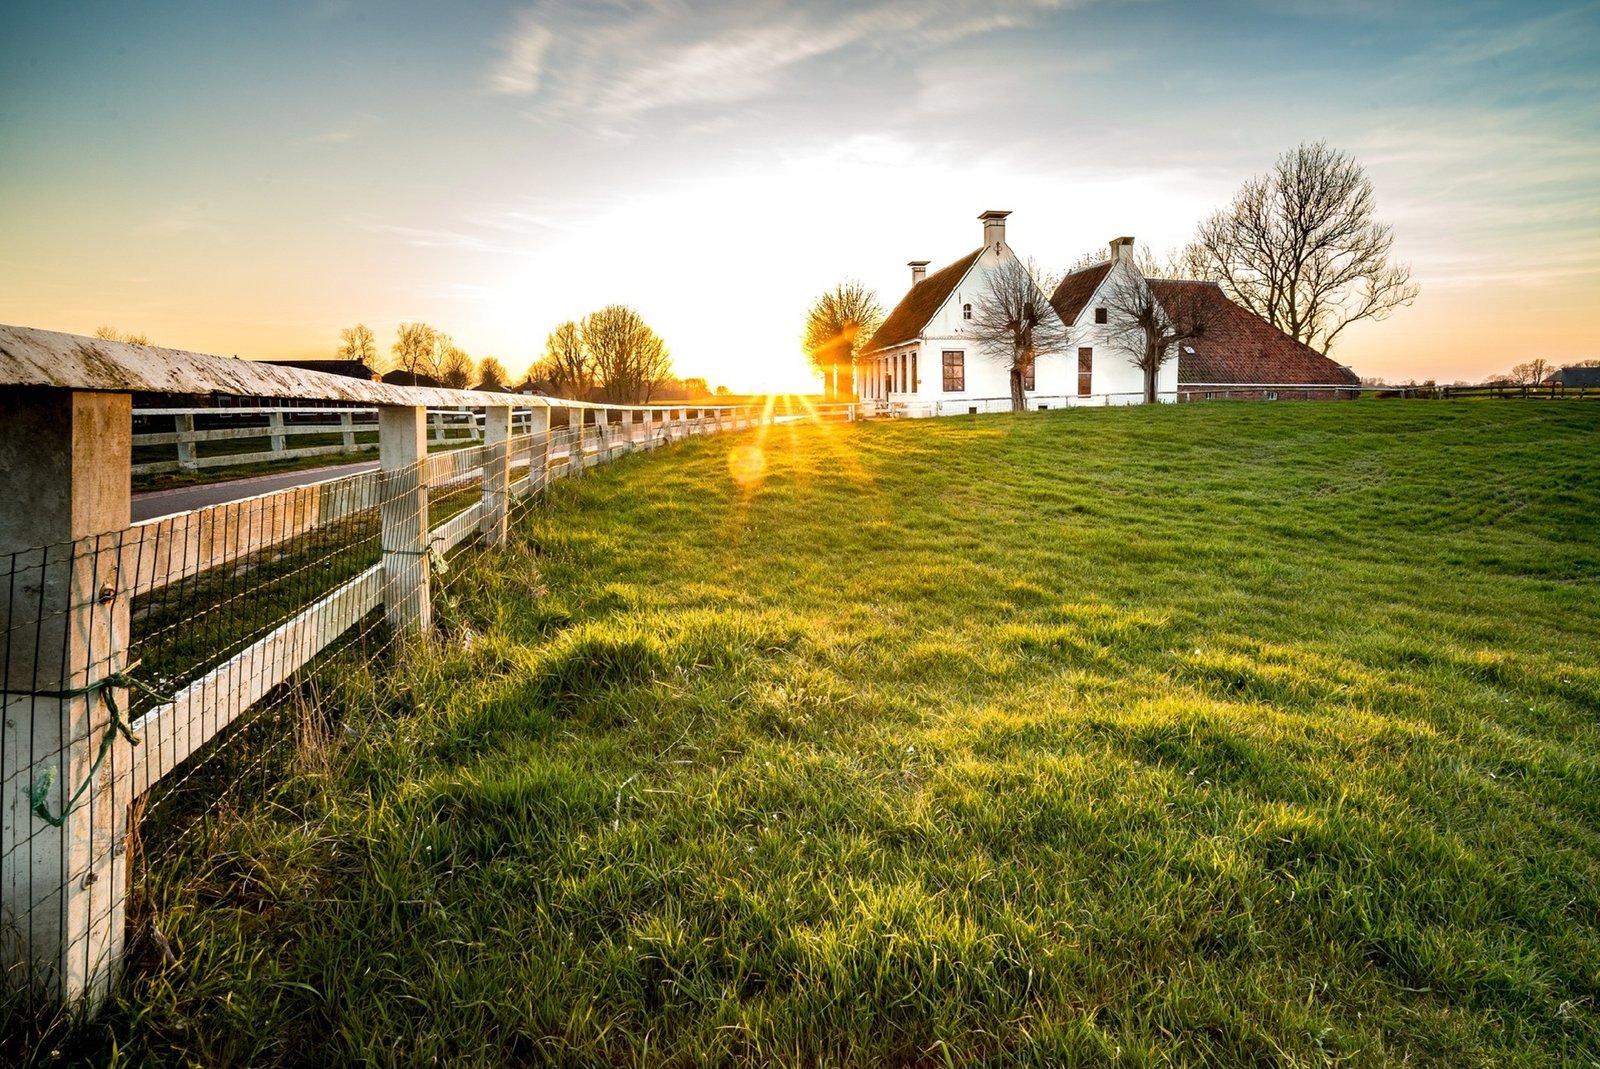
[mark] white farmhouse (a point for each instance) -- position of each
(924, 360)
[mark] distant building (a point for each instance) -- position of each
(1574, 376)
(925, 351)
(350, 369)
(410, 378)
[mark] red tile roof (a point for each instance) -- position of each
(1076, 289)
(1241, 347)
(920, 304)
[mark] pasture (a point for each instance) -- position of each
(1227, 734)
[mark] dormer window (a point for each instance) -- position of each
(1099, 315)
(966, 311)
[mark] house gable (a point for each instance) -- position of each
(1076, 290)
(921, 303)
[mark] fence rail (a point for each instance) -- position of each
(186, 439)
(129, 648)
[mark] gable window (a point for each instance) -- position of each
(1027, 376)
(1099, 315)
(1085, 370)
(966, 311)
(955, 371)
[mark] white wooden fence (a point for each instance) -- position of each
(81, 581)
(356, 431)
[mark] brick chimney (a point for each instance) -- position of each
(1122, 249)
(919, 270)
(994, 228)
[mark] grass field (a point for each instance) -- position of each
(1232, 735)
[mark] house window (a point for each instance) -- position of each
(914, 383)
(1272, 395)
(966, 311)
(1099, 315)
(1027, 376)
(1085, 370)
(955, 371)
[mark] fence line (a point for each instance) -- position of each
(130, 647)
(355, 428)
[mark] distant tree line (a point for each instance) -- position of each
(610, 352)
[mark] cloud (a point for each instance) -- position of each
(659, 55)
(519, 70)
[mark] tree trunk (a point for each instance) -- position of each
(1150, 385)
(1019, 403)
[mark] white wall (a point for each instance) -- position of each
(1115, 379)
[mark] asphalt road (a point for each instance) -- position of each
(149, 505)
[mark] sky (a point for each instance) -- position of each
(248, 179)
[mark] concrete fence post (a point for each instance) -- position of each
(496, 475)
(539, 457)
(275, 430)
(64, 462)
(184, 425)
(347, 423)
(403, 513)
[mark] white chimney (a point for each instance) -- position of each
(1122, 249)
(994, 228)
(919, 270)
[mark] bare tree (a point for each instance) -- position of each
(1531, 372)
(839, 323)
(1014, 324)
(1299, 247)
(414, 348)
(630, 359)
(358, 343)
(456, 369)
(492, 373)
(565, 364)
(1148, 330)
(109, 333)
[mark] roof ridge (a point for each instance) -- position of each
(922, 302)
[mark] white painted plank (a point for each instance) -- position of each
(171, 733)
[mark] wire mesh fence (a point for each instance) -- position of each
(154, 674)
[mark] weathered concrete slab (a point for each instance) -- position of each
(33, 357)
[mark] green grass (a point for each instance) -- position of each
(1205, 735)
